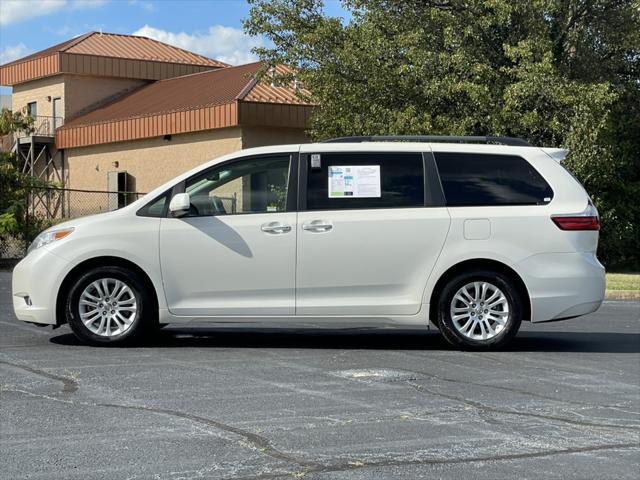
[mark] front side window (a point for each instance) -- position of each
(364, 180)
(471, 179)
(156, 208)
(255, 185)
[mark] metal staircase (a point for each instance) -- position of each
(40, 159)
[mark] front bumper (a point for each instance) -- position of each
(563, 285)
(35, 283)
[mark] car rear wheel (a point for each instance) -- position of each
(109, 306)
(479, 310)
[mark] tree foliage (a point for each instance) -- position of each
(11, 122)
(13, 195)
(16, 186)
(556, 72)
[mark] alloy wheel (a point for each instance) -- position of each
(108, 307)
(479, 310)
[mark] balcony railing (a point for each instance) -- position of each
(43, 126)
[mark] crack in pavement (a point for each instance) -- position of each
(310, 467)
(462, 382)
(69, 385)
(506, 389)
(393, 462)
(264, 445)
(501, 387)
(489, 409)
(257, 442)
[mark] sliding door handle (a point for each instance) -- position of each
(317, 226)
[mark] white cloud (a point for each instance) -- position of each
(227, 44)
(14, 11)
(13, 52)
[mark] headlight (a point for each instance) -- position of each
(48, 237)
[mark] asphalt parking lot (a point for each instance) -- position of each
(562, 402)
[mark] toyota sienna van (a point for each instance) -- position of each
(472, 235)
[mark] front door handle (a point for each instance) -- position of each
(275, 228)
(317, 226)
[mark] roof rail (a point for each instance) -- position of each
(511, 141)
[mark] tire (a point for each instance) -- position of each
(129, 315)
(471, 325)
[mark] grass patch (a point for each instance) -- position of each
(623, 286)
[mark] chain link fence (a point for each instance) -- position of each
(48, 206)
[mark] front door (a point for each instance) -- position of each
(57, 113)
(368, 236)
(234, 252)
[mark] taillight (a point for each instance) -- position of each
(587, 220)
(577, 223)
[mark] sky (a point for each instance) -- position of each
(210, 27)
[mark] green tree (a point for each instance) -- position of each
(556, 72)
(11, 122)
(15, 186)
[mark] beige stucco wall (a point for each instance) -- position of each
(83, 92)
(37, 91)
(154, 161)
(76, 92)
(151, 161)
(261, 136)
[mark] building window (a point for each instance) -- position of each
(32, 109)
(471, 179)
(256, 185)
(369, 180)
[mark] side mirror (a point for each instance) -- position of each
(180, 204)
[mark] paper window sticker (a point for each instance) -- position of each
(354, 181)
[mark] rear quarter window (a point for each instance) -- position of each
(470, 179)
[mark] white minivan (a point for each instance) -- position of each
(470, 234)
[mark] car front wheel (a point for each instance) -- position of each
(479, 310)
(109, 306)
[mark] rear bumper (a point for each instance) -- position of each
(34, 287)
(563, 285)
